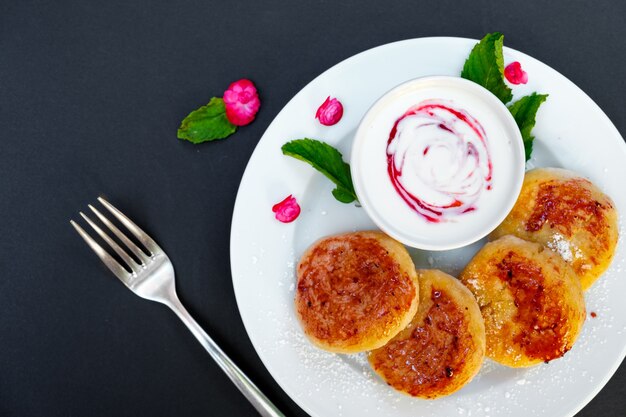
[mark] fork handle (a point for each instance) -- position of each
(258, 400)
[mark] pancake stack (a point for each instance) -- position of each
(569, 215)
(519, 301)
(360, 292)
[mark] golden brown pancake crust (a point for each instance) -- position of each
(565, 204)
(355, 291)
(443, 346)
(568, 214)
(530, 299)
(543, 324)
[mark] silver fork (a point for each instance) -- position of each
(153, 278)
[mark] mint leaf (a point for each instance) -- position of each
(343, 195)
(524, 111)
(326, 160)
(485, 66)
(207, 123)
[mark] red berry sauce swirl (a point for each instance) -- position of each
(438, 160)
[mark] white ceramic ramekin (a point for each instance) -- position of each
(382, 201)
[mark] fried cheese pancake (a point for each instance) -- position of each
(355, 291)
(569, 215)
(531, 300)
(442, 348)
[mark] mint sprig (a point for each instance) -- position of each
(206, 123)
(524, 112)
(326, 160)
(485, 66)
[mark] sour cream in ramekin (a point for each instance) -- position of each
(438, 162)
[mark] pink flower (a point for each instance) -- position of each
(242, 102)
(329, 112)
(287, 210)
(515, 74)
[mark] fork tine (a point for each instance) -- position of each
(121, 236)
(130, 262)
(146, 240)
(107, 259)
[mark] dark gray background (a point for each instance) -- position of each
(91, 94)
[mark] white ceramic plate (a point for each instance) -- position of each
(572, 132)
